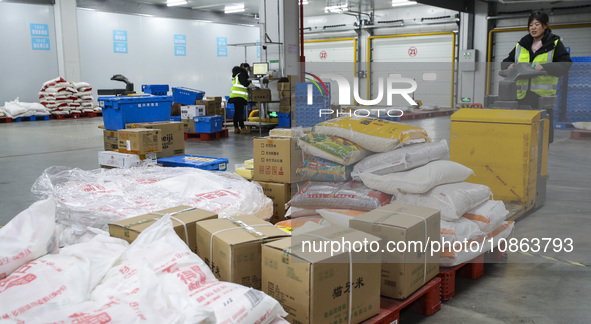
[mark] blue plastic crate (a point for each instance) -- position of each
(155, 89)
(175, 118)
(186, 96)
(208, 124)
(195, 161)
(581, 58)
(121, 110)
(284, 120)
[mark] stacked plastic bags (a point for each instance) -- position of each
(61, 97)
(16, 109)
(156, 279)
(91, 199)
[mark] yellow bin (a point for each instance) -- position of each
(502, 147)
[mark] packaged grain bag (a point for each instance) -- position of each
(332, 148)
(489, 215)
(349, 195)
(418, 180)
(401, 159)
(453, 200)
(376, 135)
(319, 169)
(460, 230)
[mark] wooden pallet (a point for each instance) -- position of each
(578, 134)
(5, 120)
(425, 301)
(78, 115)
(206, 136)
(30, 118)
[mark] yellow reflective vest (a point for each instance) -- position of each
(544, 85)
(238, 90)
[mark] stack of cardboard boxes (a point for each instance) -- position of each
(190, 114)
(137, 142)
(276, 160)
(286, 88)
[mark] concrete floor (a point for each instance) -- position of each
(527, 289)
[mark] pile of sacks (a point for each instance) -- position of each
(156, 279)
(16, 109)
(360, 164)
(61, 97)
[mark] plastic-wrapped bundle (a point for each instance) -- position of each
(350, 195)
(401, 159)
(319, 169)
(376, 135)
(332, 148)
(419, 180)
(96, 197)
(489, 215)
(453, 200)
(460, 230)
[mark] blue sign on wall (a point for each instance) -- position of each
(40, 43)
(120, 36)
(222, 51)
(180, 50)
(180, 39)
(39, 30)
(258, 49)
(120, 47)
(222, 41)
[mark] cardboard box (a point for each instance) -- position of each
(285, 101)
(188, 126)
(236, 252)
(280, 194)
(285, 109)
(315, 287)
(192, 111)
(129, 229)
(276, 159)
(124, 160)
(259, 94)
(175, 109)
(110, 140)
(403, 273)
(171, 134)
(288, 83)
(212, 107)
(139, 140)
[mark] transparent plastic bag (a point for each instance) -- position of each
(96, 197)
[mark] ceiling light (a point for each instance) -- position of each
(89, 9)
(145, 15)
(172, 3)
(233, 8)
(336, 9)
(402, 3)
(304, 2)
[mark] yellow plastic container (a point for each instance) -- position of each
(502, 148)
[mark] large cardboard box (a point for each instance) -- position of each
(110, 140)
(280, 194)
(171, 134)
(288, 83)
(175, 109)
(212, 107)
(139, 140)
(185, 218)
(192, 111)
(277, 159)
(315, 287)
(232, 248)
(404, 273)
(259, 94)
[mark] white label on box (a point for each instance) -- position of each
(192, 111)
(128, 144)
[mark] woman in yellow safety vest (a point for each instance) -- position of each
(239, 96)
(544, 51)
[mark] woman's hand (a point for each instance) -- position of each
(539, 67)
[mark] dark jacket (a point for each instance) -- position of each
(243, 77)
(560, 54)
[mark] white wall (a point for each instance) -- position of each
(150, 58)
(22, 69)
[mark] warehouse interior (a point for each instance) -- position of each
(450, 50)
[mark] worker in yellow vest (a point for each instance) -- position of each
(239, 96)
(544, 50)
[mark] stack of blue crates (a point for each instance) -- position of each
(195, 161)
(578, 99)
(155, 89)
(186, 96)
(309, 115)
(121, 110)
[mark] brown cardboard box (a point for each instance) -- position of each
(139, 140)
(175, 109)
(110, 140)
(259, 94)
(276, 159)
(280, 194)
(285, 101)
(129, 229)
(188, 125)
(236, 252)
(285, 109)
(288, 83)
(315, 287)
(171, 134)
(403, 273)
